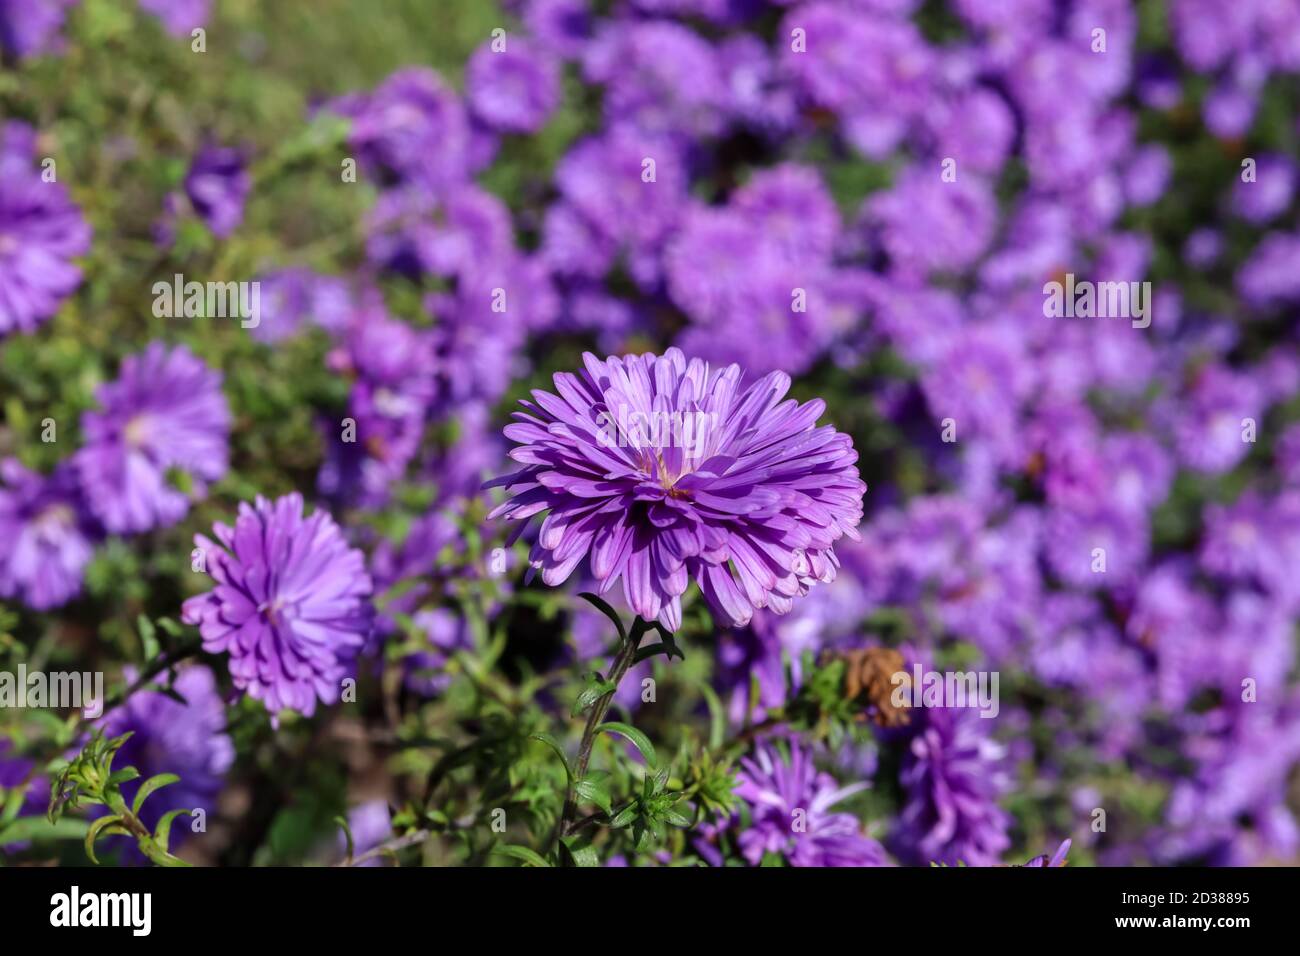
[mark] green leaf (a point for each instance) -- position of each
(638, 739)
(667, 645)
(163, 831)
(101, 827)
(522, 853)
(581, 851)
(596, 689)
(149, 786)
(594, 789)
(124, 775)
(27, 829)
(559, 751)
(674, 816)
(601, 605)
(624, 817)
(148, 638)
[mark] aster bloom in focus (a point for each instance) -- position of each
(168, 736)
(790, 803)
(165, 412)
(48, 536)
(291, 606)
(41, 231)
(658, 470)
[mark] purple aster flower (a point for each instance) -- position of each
(976, 128)
(514, 90)
(1207, 420)
(394, 364)
(1270, 194)
(1203, 247)
(31, 27)
(188, 739)
(790, 805)
(928, 225)
(605, 180)
(561, 26)
(215, 188)
(291, 604)
(1147, 175)
(412, 231)
(292, 296)
(753, 94)
(165, 413)
(659, 76)
(953, 776)
(217, 185)
(1287, 452)
(41, 231)
(179, 17)
(731, 487)
(48, 534)
(411, 127)
(15, 771)
(1272, 273)
(1057, 859)
(851, 55)
(790, 206)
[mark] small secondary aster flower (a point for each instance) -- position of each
(31, 27)
(514, 90)
(164, 413)
(291, 606)
(215, 186)
(48, 536)
(658, 470)
(790, 804)
(41, 231)
(952, 775)
(188, 739)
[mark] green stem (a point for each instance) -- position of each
(623, 661)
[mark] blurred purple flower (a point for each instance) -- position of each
(179, 17)
(188, 739)
(165, 413)
(514, 90)
(41, 231)
(48, 533)
(31, 27)
(952, 775)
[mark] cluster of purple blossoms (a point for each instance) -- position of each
(160, 436)
(1047, 533)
